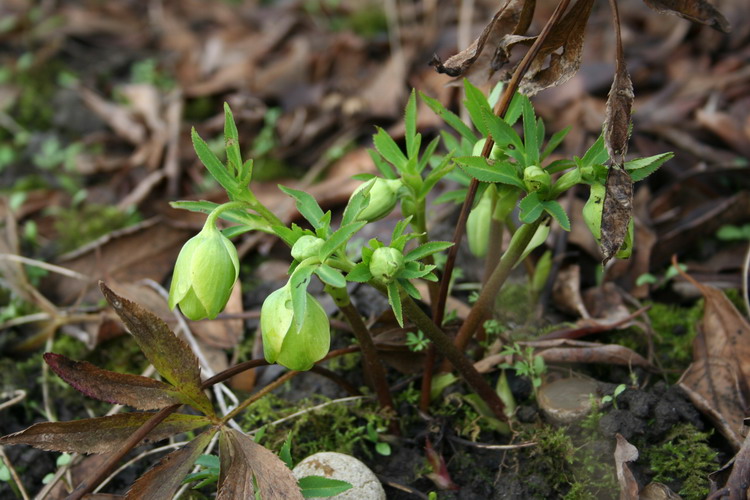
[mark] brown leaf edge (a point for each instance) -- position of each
(101, 434)
(624, 453)
(699, 11)
(139, 392)
(242, 461)
(171, 356)
(163, 479)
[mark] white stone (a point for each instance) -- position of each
(365, 484)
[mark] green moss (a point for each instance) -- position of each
(675, 329)
(80, 225)
(685, 458)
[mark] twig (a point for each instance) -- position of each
(311, 409)
(486, 446)
(46, 266)
(13, 474)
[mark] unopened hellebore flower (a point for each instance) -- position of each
(282, 342)
(385, 264)
(204, 274)
(383, 198)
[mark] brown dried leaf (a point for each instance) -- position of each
(618, 209)
(101, 434)
(139, 392)
(625, 452)
(479, 57)
(699, 11)
(162, 480)
(243, 460)
(171, 356)
(619, 102)
(740, 476)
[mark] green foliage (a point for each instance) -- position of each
(86, 222)
(675, 329)
(684, 457)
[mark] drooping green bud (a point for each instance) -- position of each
(478, 223)
(204, 274)
(295, 349)
(306, 246)
(496, 152)
(383, 198)
(385, 263)
(536, 179)
(593, 209)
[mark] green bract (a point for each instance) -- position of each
(385, 263)
(296, 350)
(204, 274)
(383, 198)
(478, 223)
(536, 179)
(306, 246)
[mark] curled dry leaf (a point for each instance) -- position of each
(624, 453)
(699, 11)
(740, 475)
(170, 355)
(139, 392)
(102, 434)
(245, 462)
(619, 102)
(163, 479)
(617, 212)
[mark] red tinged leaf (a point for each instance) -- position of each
(243, 460)
(171, 356)
(699, 11)
(139, 392)
(163, 479)
(102, 434)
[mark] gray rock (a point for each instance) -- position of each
(365, 484)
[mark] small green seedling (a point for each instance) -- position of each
(417, 342)
(373, 435)
(670, 274)
(63, 460)
(613, 397)
(526, 363)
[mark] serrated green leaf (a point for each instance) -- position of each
(515, 108)
(531, 208)
(410, 125)
(555, 141)
(558, 212)
(381, 165)
(307, 206)
(388, 148)
(286, 234)
(430, 248)
(641, 168)
(399, 229)
(428, 153)
(531, 145)
(360, 273)
(318, 486)
(394, 299)
(457, 196)
(330, 276)
(449, 117)
(477, 105)
(285, 453)
(596, 154)
(214, 165)
(409, 288)
(232, 141)
(502, 133)
(444, 168)
(339, 239)
(480, 169)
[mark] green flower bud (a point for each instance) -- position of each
(385, 263)
(204, 274)
(383, 198)
(496, 152)
(296, 350)
(306, 246)
(593, 209)
(536, 178)
(478, 223)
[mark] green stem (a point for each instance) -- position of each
(211, 219)
(249, 198)
(462, 364)
(255, 397)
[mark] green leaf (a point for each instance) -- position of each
(437, 173)
(531, 208)
(307, 206)
(360, 273)
(596, 154)
(641, 168)
(394, 299)
(285, 453)
(530, 134)
(479, 168)
(339, 238)
(388, 148)
(381, 165)
(330, 276)
(409, 288)
(515, 108)
(555, 141)
(299, 280)
(430, 248)
(456, 196)
(449, 117)
(410, 124)
(428, 152)
(477, 105)
(232, 141)
(318, 486)
(170, 355)
(502, 133)
(214, 165)
(285, 234)
(558, 212)
(211, 461)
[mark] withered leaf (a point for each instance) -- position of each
(171, 356)
(618, 209)
(740, 476)
(163, 479)
(624, 453)
(619, 102)
(559, 56)
(139, 392)
(102, 434)
(480, 58)
(242, 459)
(699, 11)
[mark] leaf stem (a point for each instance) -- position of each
(262, 392)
